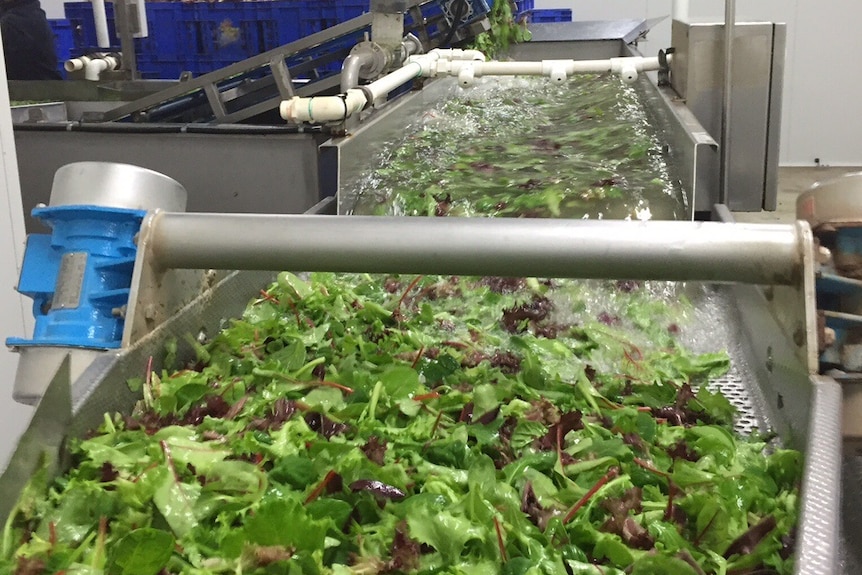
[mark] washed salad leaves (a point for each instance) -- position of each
(524, 147)
(364, 425)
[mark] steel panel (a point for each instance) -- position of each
(697, 76)
(222, 171)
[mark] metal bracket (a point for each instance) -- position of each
(664, 66)
(158, 294)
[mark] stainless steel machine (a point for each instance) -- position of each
(770, 331)
(763, 276)
(220, 131)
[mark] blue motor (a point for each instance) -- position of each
(80, 275)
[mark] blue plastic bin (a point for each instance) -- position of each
(164, 41)
(550, 15)
(290, 20)
(203, 36)
(80, 16)
(64, 41)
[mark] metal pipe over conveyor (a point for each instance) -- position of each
(660, 250)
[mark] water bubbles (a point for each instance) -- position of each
(643, 214)
(523, 146)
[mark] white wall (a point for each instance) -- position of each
(53, 8)
(14, 313)
(822, 117)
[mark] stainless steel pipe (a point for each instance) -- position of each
(705, 251)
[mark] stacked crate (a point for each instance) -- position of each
(549, 15)
(201, 36)
(64, 42)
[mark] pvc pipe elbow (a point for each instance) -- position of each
(456, 54)
(94, 69)
(75, 64)
(474, 55)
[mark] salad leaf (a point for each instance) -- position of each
(141, 552)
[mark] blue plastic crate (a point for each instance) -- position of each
(295, 19)
(152, 68)
(550, 15)
(163, 19)
(80, 16)
(215, 34)
(64, 42)
(277, 22)
(164, 40)
(223, 31)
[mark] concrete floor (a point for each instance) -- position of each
(792, 182)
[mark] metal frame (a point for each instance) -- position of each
(15, 314)
(215, 86)
(257, 85)
(689, 148)
(804, 408)
(223, 168)
(697, 76)
(777, 323)
(779, 327)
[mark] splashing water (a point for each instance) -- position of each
(523, 147)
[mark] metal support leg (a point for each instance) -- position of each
(729, 26)
(126, 30)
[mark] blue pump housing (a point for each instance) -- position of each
(80, 275)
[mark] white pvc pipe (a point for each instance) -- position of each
(94, 68)
(456, 54)
(322, 109)
(557, 70)
(380, 88)
(76, 64)
(144, 29)
(466, 68)
(101, 19)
